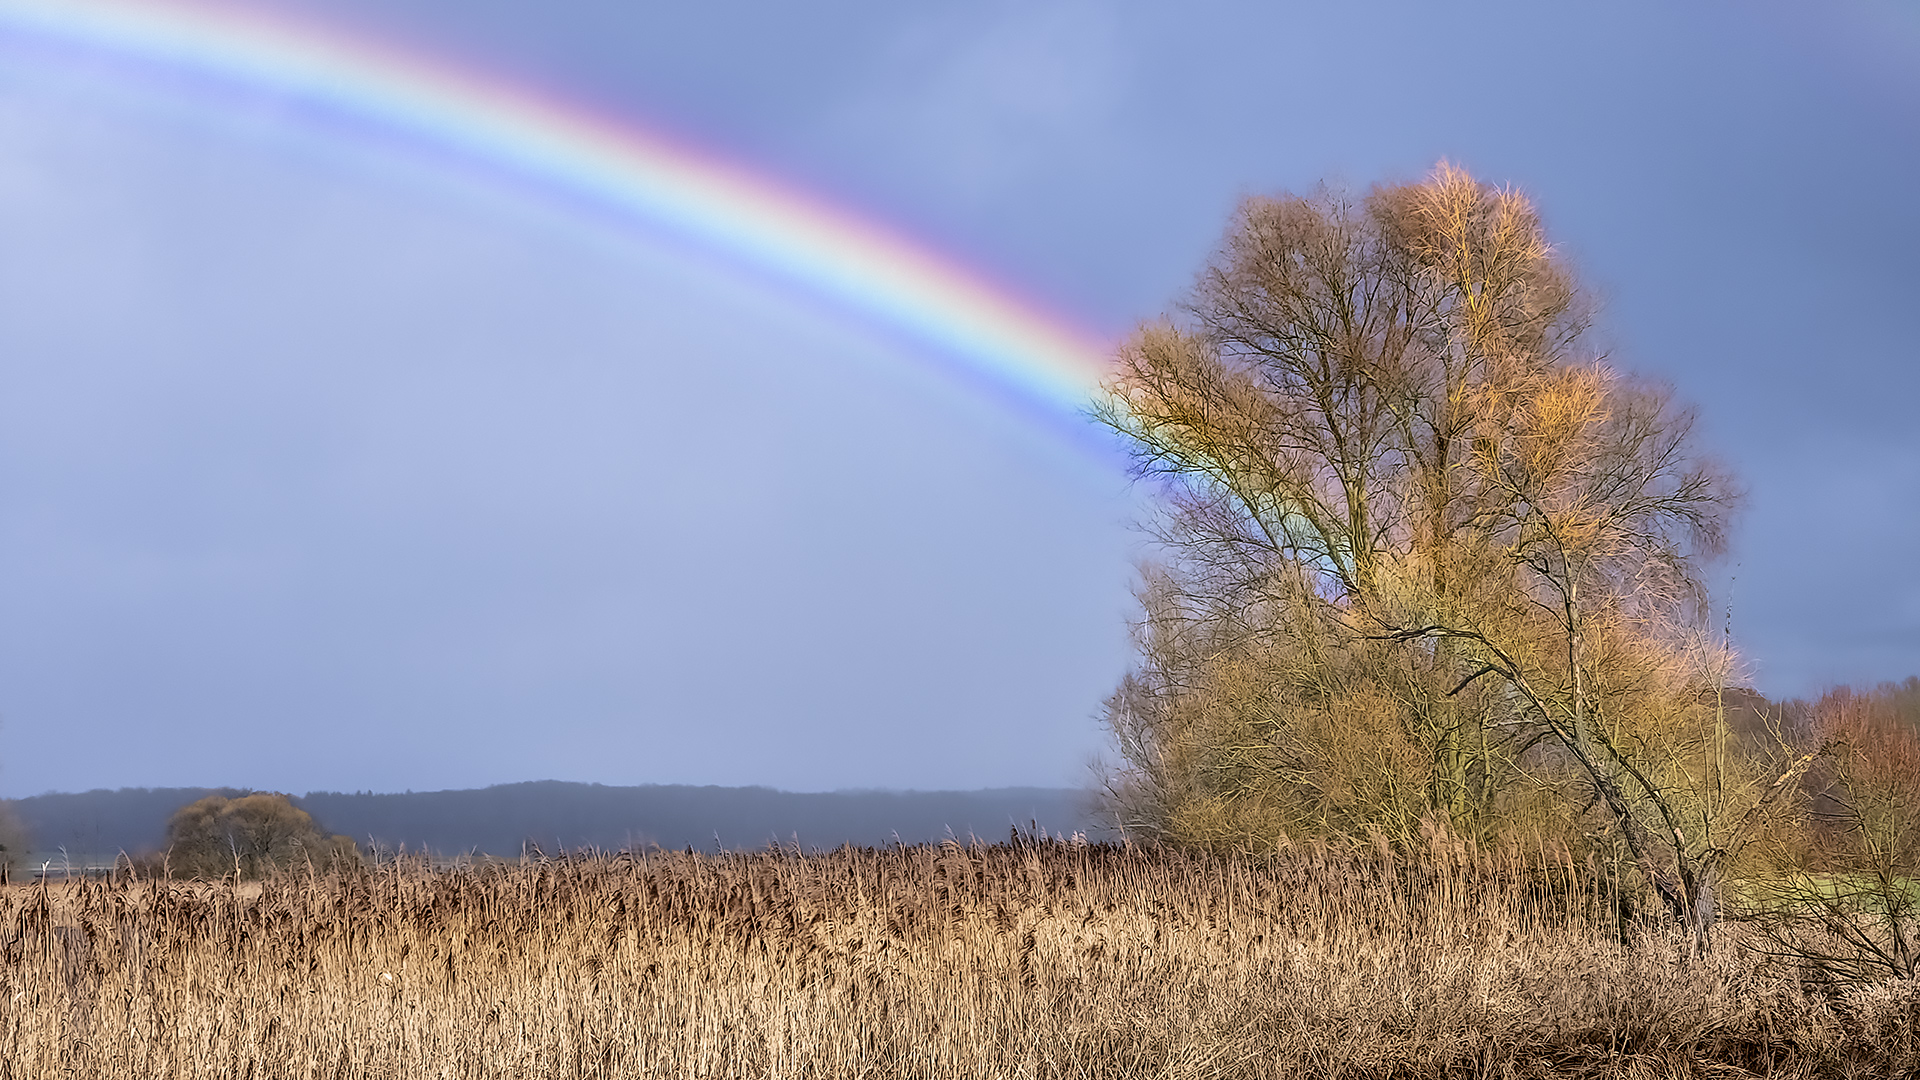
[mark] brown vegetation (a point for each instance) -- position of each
(1837, 884)
(1031, 960)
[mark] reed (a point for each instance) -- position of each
(1032, 959)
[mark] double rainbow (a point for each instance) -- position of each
(815, 247)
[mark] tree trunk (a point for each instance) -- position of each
(1703, 908)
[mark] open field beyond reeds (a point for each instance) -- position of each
(1030, 960)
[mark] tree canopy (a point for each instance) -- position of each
(249, 836)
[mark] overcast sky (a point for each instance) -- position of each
(325, 464)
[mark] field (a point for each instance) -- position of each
(1037, 959)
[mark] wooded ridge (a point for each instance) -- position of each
(558, 815)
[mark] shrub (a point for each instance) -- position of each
(251, 836)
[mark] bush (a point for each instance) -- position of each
(13, 840)
(249, 837)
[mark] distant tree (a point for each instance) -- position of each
(249, 836)
(1427, 556)
(13, 840)
(1840, 888)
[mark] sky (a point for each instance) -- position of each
(332, 461)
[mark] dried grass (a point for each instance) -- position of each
(1026, 960)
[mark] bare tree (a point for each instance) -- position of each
(1424, 556)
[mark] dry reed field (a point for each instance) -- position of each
(1034, 959)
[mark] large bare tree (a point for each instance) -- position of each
(1427, 557)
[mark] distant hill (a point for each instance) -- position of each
(103, 822)
(555, 815)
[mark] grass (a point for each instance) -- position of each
(1027, 960)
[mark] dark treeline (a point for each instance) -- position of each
(103, 822)
(555, 815)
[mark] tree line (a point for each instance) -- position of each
(555, 816)
(241, 835)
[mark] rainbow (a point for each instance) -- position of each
(815, 247)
